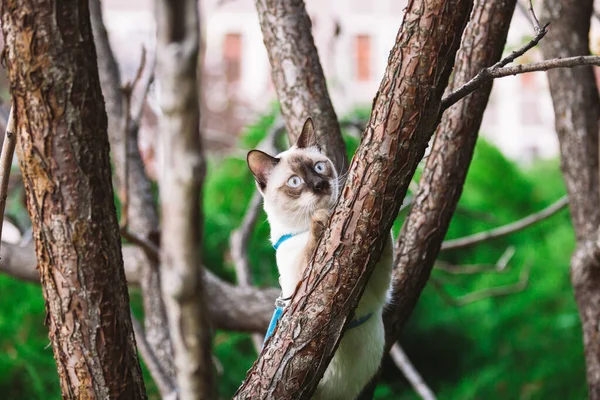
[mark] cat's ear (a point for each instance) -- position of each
(261, 164)
(308, 137)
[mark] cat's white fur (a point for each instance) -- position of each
(360, 351)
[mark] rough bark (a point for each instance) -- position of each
(142, 215)
(404, 116)
(577, 111)
(444, 175)
(178, 34)
(297, 75)
(64, 159)
(224, 299)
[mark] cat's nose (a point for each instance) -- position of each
(321, 186)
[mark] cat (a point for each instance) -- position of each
(299, 187)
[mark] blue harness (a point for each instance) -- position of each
(280, 302)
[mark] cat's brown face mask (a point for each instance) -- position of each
(301, 178)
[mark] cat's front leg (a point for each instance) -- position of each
(318, 223)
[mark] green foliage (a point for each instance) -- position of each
(523, 346)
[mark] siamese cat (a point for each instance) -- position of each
(300, 186)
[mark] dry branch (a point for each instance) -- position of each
(505, 230)
(470, 269)
(142, 216)
(6, 157)
(410, 373)
(178, 36)
(485, 73)
(403, 118)
(165, 385)
(497, 291)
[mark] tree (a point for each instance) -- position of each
(64, 159)
(403, 118)
(577, 112)
(181, 299)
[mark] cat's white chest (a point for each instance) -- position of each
(290, 269)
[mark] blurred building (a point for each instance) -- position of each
(353, 38)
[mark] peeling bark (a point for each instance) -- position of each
(444, 175)
(577, 111)
(404, 116)
(298, 76)
(64, 159)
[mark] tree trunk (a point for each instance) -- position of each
(577, 111)
(64, 158)
(178, 35)
(298, 76)
(444, 175)
(404, 116)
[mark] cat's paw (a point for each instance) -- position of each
(318, 222)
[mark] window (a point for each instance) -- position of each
(232, 56)
(363, 57)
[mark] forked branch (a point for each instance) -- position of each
(454, 244)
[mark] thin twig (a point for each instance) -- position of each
(144, 83)
(160, 377)
(534, 19)
(152, 251)
(8, 149)
(485, 293)
(490, 73)
(567, 62)
(127, 91)
(240, 238)
(500, 266)
(505, 230)
(477, 215)
(410, 373)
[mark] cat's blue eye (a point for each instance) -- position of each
(320, 167)
(294, 181)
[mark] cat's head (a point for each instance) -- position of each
(296, 182)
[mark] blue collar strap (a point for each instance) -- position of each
(283, 239)
(279, 311)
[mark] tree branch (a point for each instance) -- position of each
(485, 293)
(163, 381)
(500, 265)
(404, 115)
(178, 37)
(490, 74)
(298, 76)
(224, 299)
(410, 373)
(505, 230)
(6, 157)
